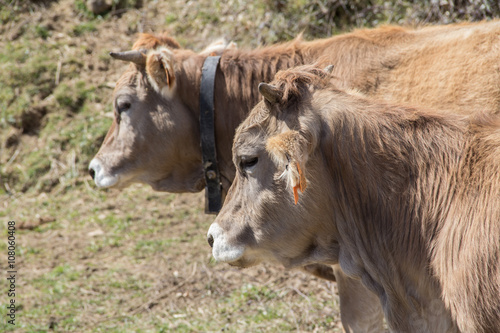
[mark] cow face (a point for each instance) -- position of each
(265, 217)
(154, 137)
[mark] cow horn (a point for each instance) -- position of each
(272, 94)
(329, 69)
(136, 56)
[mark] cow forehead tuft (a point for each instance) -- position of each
(250, 140)
(128, 79)
(161, 50)
(150, 41)
(134, 80)
(256, 117)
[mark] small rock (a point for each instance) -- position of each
(94, 233)
(98, 6)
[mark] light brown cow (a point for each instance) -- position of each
(406, 200)
(154, 138)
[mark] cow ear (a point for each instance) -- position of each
(271, 93)
(289, 150)
(160, 71)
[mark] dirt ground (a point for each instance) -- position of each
(121, 261)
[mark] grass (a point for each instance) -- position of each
(77, 282)
(83, 28)
(42, 31)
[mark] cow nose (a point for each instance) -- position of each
(92, 173)
(210, 240)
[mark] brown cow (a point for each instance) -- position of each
(154, 138)
(406, 200)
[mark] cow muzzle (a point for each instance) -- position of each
(222, 250)
(100, 176)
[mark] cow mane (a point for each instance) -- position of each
(245, 69)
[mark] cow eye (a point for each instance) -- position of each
(248, 162)
(122, 106)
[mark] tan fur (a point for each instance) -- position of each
(407, 200)
(452, 67)
(291, 83)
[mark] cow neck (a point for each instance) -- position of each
(213, 190)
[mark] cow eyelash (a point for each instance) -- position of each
(122, 107)
(247, 163)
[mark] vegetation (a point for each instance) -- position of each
(137, 260)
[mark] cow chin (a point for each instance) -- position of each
(244, 263)
(107, 181)
(171, 185)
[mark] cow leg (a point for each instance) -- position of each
(360, 309)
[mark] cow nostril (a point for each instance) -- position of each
(210, 240)
(92, 173)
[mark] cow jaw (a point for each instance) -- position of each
(242, 255)
(174, 184)
(239, 255)
(171, 183)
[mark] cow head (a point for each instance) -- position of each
(154, 138)
(264, 216)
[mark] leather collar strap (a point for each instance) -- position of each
(213, 190)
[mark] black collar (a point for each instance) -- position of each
(213, 189)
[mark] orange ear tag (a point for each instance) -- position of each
(301, 185)
(295, 194)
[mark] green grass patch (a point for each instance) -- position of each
(170, 18)
(102, 243)
(84, 28)
(73, 96)
(27, 71)
(147, 247)
(42, 31)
